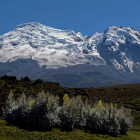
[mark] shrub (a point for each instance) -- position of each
(44, 112)
(73, 113)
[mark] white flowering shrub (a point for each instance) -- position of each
(73, 113)
(43, 112)
(125, 120)
(102, 119)
(40, 112)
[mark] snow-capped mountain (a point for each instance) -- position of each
(117, 48)
(48, 46)
(121, 47)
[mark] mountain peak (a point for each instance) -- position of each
(119, 34)
(36, 25)
(56, 48)
(30, 24)
(33, 45)
(128, 30)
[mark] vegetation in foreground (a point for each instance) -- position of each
(11, 132)
(44, 112)
(127, 95)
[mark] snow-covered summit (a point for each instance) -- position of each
(49, 46)
(117, 46)
(119, 34)
(120, 47)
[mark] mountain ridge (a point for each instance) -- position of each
(52, 49)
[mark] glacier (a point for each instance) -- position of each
(53, 48)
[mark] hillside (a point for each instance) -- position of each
(127, 95)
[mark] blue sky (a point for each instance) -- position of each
(85, 16)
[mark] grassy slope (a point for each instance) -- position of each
(9, 132)
(127, 95)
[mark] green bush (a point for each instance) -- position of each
(44, 112)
